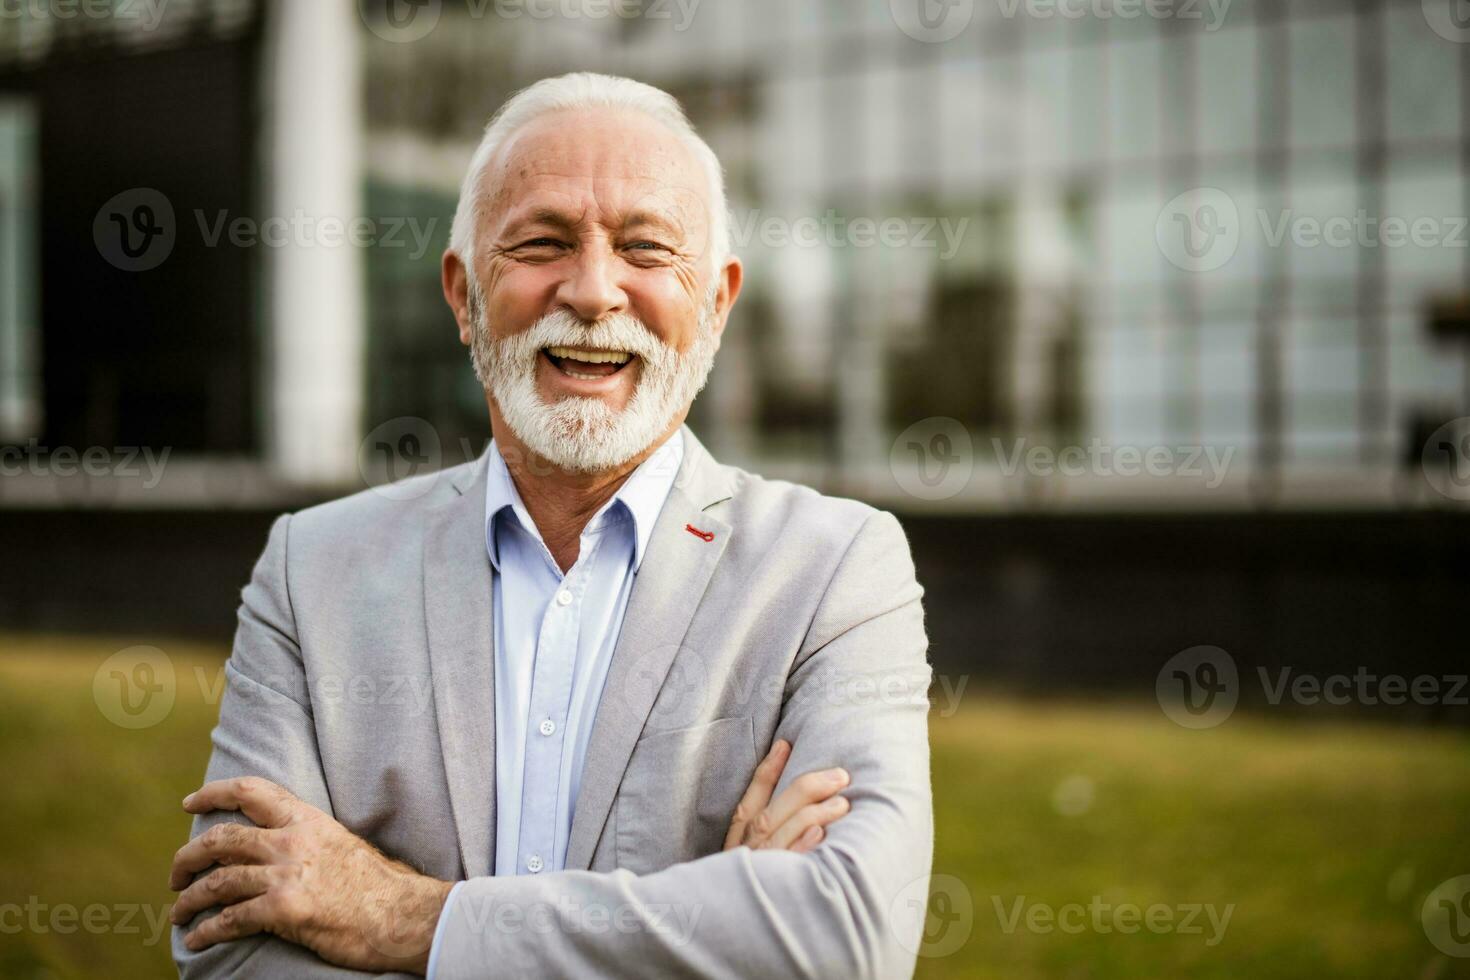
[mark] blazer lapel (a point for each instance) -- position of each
(458, 608)
(672, 579)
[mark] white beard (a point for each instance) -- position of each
(579, 433)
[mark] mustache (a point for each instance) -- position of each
(562, 328)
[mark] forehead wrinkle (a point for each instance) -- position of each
(600, 209)
(556, 153)
(639, 145)
(597, 187)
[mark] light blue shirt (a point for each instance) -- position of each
(554, 640)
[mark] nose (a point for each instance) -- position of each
(591, 289)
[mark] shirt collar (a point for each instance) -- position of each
(642, 495)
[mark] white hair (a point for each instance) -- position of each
(585, 90)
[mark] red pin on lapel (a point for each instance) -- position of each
(706, 535)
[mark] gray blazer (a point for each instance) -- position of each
(362, 681)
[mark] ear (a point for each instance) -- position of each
(732, 276)
(455, 279)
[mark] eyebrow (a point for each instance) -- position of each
(554, 218)
(655, 218)
(545, 216)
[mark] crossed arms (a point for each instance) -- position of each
(831, 906)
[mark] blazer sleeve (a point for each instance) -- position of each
(857, 695)
(265, 729)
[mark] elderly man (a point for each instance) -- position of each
(632, 650)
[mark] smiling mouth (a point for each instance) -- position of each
(586, 364)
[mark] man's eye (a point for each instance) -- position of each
(539, 243)
(646, 246)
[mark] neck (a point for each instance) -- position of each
(559, 501)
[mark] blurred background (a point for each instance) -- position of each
(1151, 320)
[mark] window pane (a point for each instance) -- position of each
(1323, 82)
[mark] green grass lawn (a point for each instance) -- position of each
(1322, 841)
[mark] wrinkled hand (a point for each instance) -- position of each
(796, 820)
(304, 877)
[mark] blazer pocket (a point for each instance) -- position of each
(680, 791)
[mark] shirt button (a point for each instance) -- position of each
(548, 726)
(533, 863)
(563, 598)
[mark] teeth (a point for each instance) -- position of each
(590, 356)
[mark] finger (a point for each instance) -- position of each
(222, 886)
(758, 793)
(225, 843)
(813, 815)
(233, 922)
(265, 803)
(808, 788)
(808, 840)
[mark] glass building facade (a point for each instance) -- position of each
(1081, 225)
(1029, 285)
